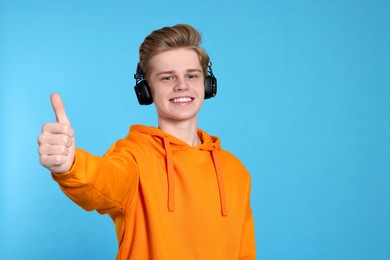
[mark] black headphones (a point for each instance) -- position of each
(144, 95)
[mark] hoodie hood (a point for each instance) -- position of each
(170, 143)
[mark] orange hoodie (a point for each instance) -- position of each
(168, 200)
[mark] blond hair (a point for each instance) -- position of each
(171, 38)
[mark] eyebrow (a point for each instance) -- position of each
(194, 70)
(173, 71)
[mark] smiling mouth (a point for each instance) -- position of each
(181, 100)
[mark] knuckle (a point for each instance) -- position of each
(68, 141)
(59, 159)
(68, 130)
(47, 127)
(65, 140)
(65, 129)
(43, 160)
(39, 139)
(42, 140)
(64, 150)
(41, 150)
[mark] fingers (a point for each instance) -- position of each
(53, 150)
(54, 163)
(57, 128)
(55, 139)
(56, 151)
(59, 109)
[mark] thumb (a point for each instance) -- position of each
(59, 109)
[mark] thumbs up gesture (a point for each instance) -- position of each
(56, 142)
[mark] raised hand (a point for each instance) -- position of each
(56, 142)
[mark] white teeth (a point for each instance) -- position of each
(181, 100)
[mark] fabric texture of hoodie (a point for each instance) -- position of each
(168, 200)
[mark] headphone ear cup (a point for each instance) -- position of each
(210, 87)
(143, 93)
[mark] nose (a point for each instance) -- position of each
(181, 85)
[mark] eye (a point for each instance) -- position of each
(192, 76)
(167, 78)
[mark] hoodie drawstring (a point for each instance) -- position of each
(170, 173)
(171, 181)
(218, 170)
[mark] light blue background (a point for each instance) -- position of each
(303, 101)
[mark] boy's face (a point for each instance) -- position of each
(176, 81)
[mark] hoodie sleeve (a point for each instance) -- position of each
(97, 183)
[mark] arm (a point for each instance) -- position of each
(92, 182)
(104, 184)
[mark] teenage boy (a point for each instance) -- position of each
(171, 190)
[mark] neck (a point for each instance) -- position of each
(187, 131)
